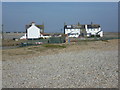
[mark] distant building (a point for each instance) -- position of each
(93, 29)
(72, 30)
(45, 35)
(83, 30)
(33, 31)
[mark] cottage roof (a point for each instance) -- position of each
(74, 26)
(81, 26)
(93, 26)
(39, 26)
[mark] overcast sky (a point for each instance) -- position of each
(17, 15)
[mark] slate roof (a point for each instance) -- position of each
(93, 26)
(82, 26)
(75, 27)
(39, 26)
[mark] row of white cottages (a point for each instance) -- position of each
(34, 31)
(83, 30)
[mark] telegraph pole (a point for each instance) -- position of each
(61, 31)
(2, 32)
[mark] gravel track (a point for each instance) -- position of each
(75, 69)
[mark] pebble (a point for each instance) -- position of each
(91, 68)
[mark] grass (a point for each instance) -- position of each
(104, 40)
(36, 48)
(32, 49)
(53, 46)
(17, 51)
(85, 42)
(10, 42)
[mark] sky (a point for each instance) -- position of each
(15, 15)
(60, 0)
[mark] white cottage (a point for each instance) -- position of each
(93, 29)
(33, 31)
(83, 30)
(72, 30)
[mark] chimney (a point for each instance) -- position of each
(33, 23)
(91, 23)
(86, 27)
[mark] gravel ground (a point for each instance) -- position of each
(0, 62)
(0, 69)
(75, 69)
(12, 35)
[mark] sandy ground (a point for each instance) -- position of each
(28, 52)
(80, 65)
(0, 62)
(18, 35)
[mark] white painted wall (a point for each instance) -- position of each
(33, 32)
(101, 34)
(73, 32)
(94, 31)
(45, 36)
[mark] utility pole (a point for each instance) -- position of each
(2, 32)
(43, 27)
(78, 24)
(64, 27)
(91, 23)
(61, 31)
(64, 23)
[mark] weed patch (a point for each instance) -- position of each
(54, 46)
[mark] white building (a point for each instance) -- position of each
(93, 29)
(72, 30)
(83, 30)
(23, 37)
(45, 35)
(33, 31)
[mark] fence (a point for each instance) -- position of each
(56, 40)
(109, 38)
(62, 40)
(43, 41)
